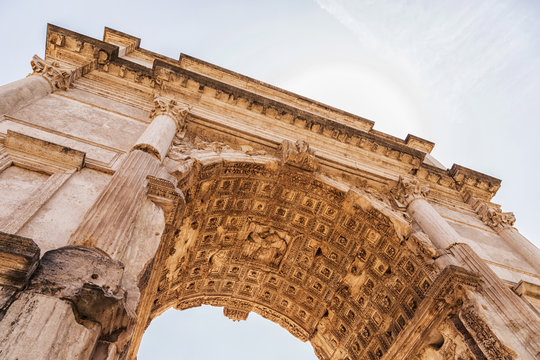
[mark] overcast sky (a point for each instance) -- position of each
(464, 74)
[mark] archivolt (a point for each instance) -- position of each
(327, 262)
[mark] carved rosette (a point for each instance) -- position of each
(169, 107)
(406, 191)
(299, 155)
(57, 77)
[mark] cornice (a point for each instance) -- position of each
(469, 181)
(167, 76)
(81, 46)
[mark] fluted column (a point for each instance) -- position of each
(46, 78)
(109, 222)
(519, 320)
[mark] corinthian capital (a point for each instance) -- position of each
(169, 107)
(493, 217)
(57, 77)
(407, 191)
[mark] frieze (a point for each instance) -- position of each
(491, 346)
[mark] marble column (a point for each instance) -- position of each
(409, 195)
(507, 309)
(46, 78)
(109, 222)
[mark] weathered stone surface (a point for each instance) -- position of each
(19, 258)
(44, 327)
(339, 241)
(89, 279)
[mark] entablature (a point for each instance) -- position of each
(201, 83)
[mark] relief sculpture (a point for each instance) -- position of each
(266, 246)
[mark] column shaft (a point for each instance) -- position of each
(108, 223)
(158, 136)
(439, 231)
(22, 92)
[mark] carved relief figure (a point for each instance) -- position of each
(267, 246)
(298, 154)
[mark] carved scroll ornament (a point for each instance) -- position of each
(407, 191)
(169, 107)
(495, 218)
(57, 77)
(484, 337)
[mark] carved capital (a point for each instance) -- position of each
(493, 216)
(407, 191)
(57, 77)
(169, 107)
(164, 193)
(298, 154)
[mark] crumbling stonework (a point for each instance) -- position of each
(150, 183)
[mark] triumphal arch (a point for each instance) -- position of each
(132, 183)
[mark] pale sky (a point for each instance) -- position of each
(463, 74)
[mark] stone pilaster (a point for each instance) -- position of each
(503, 224)
(24, 212)
(46, 78)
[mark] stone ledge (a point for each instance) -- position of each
(59, 154)
(19, 258)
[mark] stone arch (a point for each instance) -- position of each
(329, 263)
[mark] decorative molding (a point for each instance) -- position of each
(491, 214)
(446, 296)
(5, 159)
(25, 210)
(484, 337)
(41, 154)
(235, 314)
(57, 77)
(167, 196)
(473, 182)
